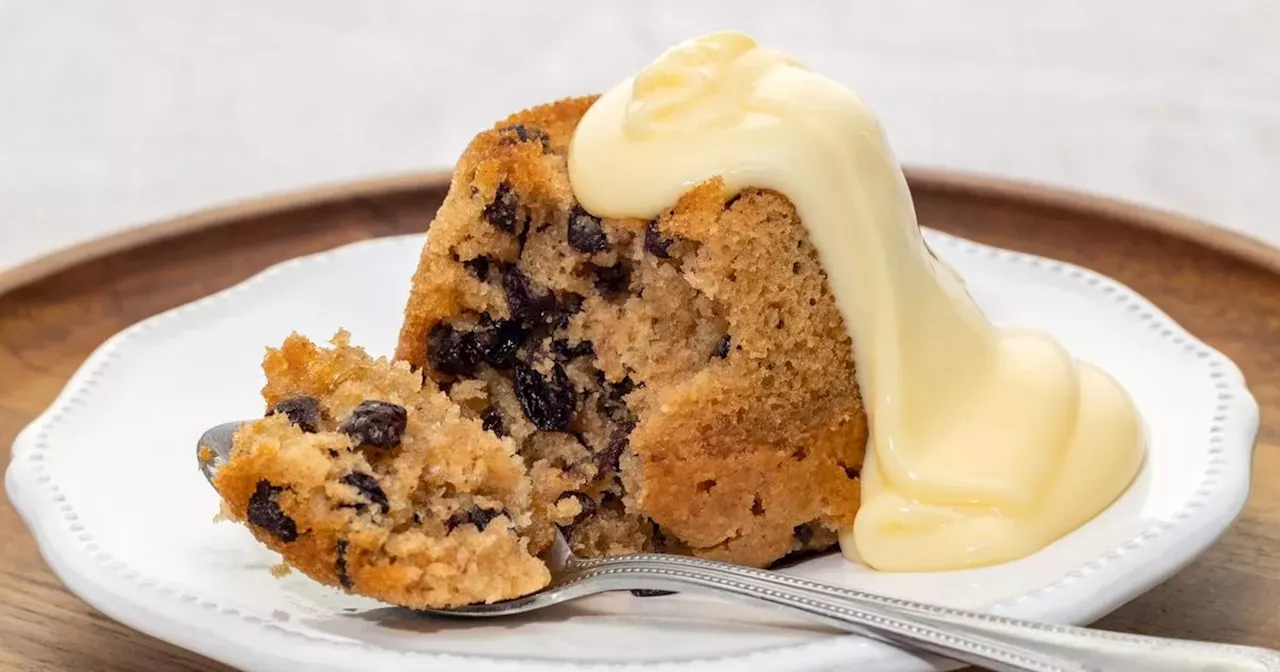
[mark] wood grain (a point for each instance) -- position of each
(1223, 287)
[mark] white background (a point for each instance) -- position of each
(117, 113)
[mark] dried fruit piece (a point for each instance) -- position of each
(654, 242)
(301, 411)
(528, 301)
(265, 513)
(479, 267)
(369, 488)
(585, 231)
(549, 403)
(472, 515)
(522, 133)
(340, 565)
(453, 352)
(505, 339)
(491, 420)
(622, 388)
(607, 459)
(722, 348)
(504, 212)
(565, 352)
(376, 423)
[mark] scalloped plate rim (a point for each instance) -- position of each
(204, 629)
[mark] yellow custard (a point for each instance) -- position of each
(986, 444)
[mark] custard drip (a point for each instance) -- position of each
(987, 444)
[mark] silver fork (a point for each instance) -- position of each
(993, 642)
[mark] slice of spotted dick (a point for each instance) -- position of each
(683, 384)
(363, 478)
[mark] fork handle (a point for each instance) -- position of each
(1026, 644)
(873, 620)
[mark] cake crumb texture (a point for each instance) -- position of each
(367, 480)
(681, 384)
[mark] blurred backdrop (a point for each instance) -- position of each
(115, 113)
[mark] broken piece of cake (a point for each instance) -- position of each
(363, 478)
(687, 378)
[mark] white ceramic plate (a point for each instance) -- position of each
(107, 481)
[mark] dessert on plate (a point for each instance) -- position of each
(692, 315)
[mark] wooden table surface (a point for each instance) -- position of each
(1223, 288)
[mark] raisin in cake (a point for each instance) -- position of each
(683, 384)
(363, 478)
